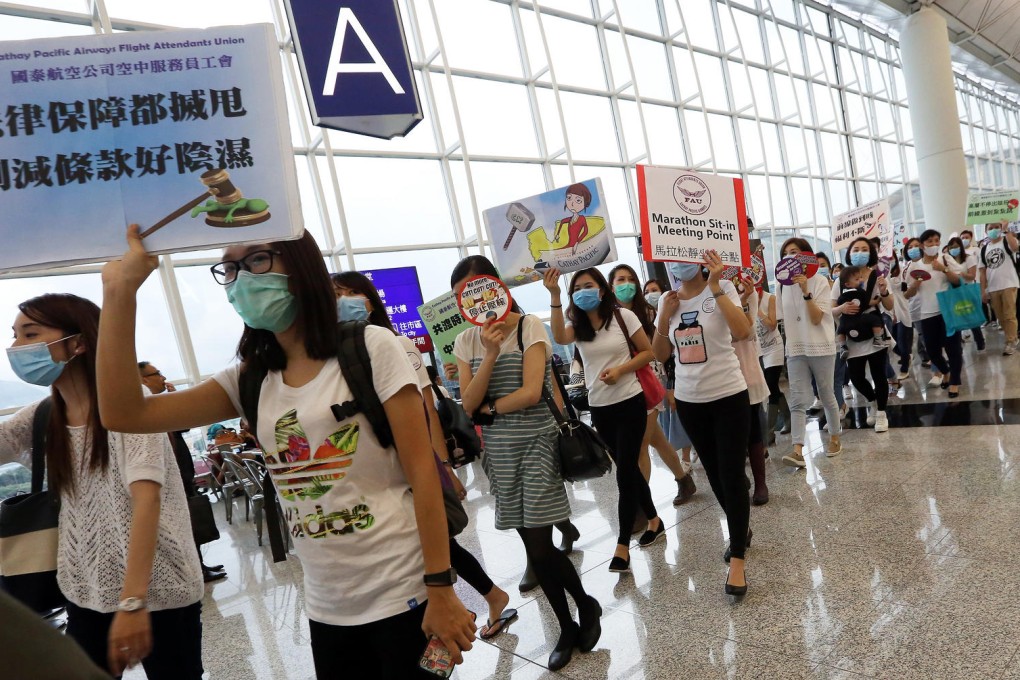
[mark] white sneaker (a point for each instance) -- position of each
(935, 381)
(872, 409)
(848, 393)
(816, 405)
(903, 375)
(881, 422)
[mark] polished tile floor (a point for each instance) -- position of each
(878, 563)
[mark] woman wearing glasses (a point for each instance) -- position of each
(364, 540)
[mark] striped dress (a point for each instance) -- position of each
(520, 458)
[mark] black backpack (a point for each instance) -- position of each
(462, 440)
(356, 366)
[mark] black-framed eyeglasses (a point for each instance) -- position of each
(258, 262)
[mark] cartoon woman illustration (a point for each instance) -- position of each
(578, 199)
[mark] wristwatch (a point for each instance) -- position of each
(443, 578)
(492, 408)
(808, 297)
(132, 604)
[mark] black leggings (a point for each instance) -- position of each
(556, 573)
(719, 431)
(176, 640)
(880, 392)
(622, 426)
(756, 435)
(934, 332)
(469, 569)
(388, 648)
(772, 376)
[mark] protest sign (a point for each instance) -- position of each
(992, 206)
(685, 213)
(101, 131)
(444, 323)
(484, 298)
(566, 228)
(400, 291)
(868, 221)
(787, 269)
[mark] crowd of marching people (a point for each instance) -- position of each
(351, 420)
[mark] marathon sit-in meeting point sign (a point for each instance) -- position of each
(993, 206)
(444, 323)
(400, 291)
(483, 299)
(868, 221)
(565, 228)
(685, 213)
(181, 129)
(356, 67)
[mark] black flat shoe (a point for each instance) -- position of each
(570, 534)
(618, 565)
(560, 656)
(529, 581)
(738, 591)
(954, 395)
(213, 567)
(210, 575)
(590, 614)
(945, 385)
(727, 555)
(650, 537)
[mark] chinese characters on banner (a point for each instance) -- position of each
(483, 299)
(443, 322)
(566, 228)
(685, 213)
(97, 132)
(868, 221)
(400, 291)
(994, 206)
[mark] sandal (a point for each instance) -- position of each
(491, 629)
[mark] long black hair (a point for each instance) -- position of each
(316, 304)
(962, 257)
(359, 284)
(644, 311)
(478, 265)
(583, 330)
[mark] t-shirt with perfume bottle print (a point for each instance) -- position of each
(707, 367)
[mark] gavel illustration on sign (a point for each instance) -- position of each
(227, 208)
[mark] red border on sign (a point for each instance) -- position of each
(646, 237)
(509, 297)
(745, 238)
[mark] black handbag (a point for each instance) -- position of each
(459, 432)
(203, 523)
(28, 532)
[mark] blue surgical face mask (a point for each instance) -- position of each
(966, 242)
(653, 298)
(931, 251)
(263, 301)
(587, 299)
(625, 292)
(914, 253)
(685, 271)
(351, 308)
(835, 275)
(955, 252)
(34, 364)
(860, 259)
(994, 233)
(823, 271)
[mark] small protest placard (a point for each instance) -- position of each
(868, 221)
(787, 269)
(444, 322)
(484, 298)
(992, 206)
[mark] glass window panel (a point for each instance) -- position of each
(495, 118)
(773, 154)
(630, 121)
(762, 92)
(750, 143)
(782, 9)
(794, 55)
(579, 7)
(891, 166)
(787, 98)
(498, 183)
(819, 21)
(687, 83)
(884, 118)
(810, 141)
(533, 40)
(447, 120)
(911, 157)
(617, 59)
(664, 135)
(550, 113)
(825, 106)
(590, 127)
(730, 39)
(575, 52)
(19, 28)
(800, 88)
(740, 86)
(215, 326)
(697, 138)
(700, 23)
(641, 15)
(314, 222)
(802, 199)
(796, 153)
(820, 59)
(832, 153)
(651, 69)
(857, 114)
(821, 210)
(864, 157)
(906, 128)
(710, 77)
(869, 192)
(760, 201)
(190, 13)
(722, 142)
(472, 49)
(916, 203)
(619, 201)
(750, 36)
(394, 201)
(839, 195)
(780, 201)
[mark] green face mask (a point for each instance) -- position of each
(263, 301)
(625, 292)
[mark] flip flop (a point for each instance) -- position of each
(501, 623)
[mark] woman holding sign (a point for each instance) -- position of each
(604, 335)
(871, 353)
(504, 366)
(376, 558)
(805, 306)
(698, 323)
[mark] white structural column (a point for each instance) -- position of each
(931, 95)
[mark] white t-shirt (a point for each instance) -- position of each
(95, 521)
(352, 515)
(928, 292)
(770, 342)
(414, 358)
(707, 367)
(747, 353)
(998, 266)
(901, 305)
(468, 344)
(609, 349)
(804, 338)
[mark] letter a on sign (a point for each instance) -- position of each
(355, 65)
(346, 20)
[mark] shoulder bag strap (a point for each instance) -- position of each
(623, 329)
(40, 422)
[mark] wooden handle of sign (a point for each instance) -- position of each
(174, 215)
(513, 230)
